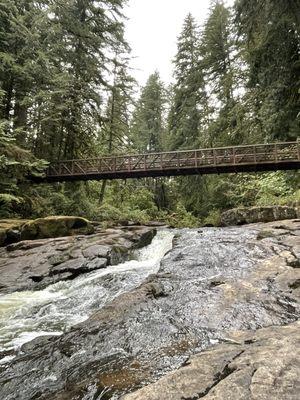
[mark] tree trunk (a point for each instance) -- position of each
(20, 119)
(110, 138)
(7, 102)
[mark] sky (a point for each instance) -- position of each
(152, 31)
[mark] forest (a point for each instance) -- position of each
(67, 91)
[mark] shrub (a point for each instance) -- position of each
(182, 218)
(213, 218)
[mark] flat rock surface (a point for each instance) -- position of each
(261, 365)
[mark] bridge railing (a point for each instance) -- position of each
(216, 157)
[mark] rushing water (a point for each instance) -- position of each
(214, 280)
(52, 311)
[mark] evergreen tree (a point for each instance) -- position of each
(217, 46)
(56, 60)
(189, 100)
(148, 125)
(148, 130)
(270, 32)
(23, 61)
(114, 135)
(220, 53)
(16, 165)
(90, 31)
(55, 66)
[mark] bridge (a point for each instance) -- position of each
(234, 159)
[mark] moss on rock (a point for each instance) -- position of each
(52, 227)
(240, 216)
(7, 226)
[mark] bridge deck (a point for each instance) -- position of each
(262, 157)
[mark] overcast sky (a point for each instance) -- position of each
(152, 31)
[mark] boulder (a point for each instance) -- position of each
(10, 230)
(241, 216)
(35, 264)
(53, 227)
(2, 236)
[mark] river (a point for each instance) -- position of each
(112, 331)
(28, 314)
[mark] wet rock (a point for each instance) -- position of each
(267, 367)
(96, 263)
(143, 240)
(13, 235)
(52, 227)
(96, 251)
(25, 245)
(120, 253)
(241, 216)
(220, 313)
(34, 264)
(59, 259)
(68, 266)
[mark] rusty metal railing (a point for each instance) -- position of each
(141, 164)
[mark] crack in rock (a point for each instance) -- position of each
(220, 376)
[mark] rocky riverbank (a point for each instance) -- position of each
(252, 365)
(15, 230)
(250, 215)
(217, 320)
(35, 264)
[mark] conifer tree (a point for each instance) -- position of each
(23, 62)
(148, 129)
(270, 32)
(90, 31)
(189, 101)
(56, 60)
(114, 135)
(222, 72)
(148, 125)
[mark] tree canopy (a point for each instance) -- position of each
(67, 91)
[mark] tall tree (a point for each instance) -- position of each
(270, 32)
(189, 100)
(56, 61)
(148, 125)
(220, 59)
(16, 165)
(114, 135)
(90, 31)
(23, 61)
(56, 58)
(148, 129)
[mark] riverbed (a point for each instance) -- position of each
(110, 332)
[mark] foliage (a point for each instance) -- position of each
(182, 218)
(188, 100)
(7, 204)
(213, 218)
(66, 91)
(270, 34)
(148, 125)
(56, 61)
(264, 189)
(16, 165)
